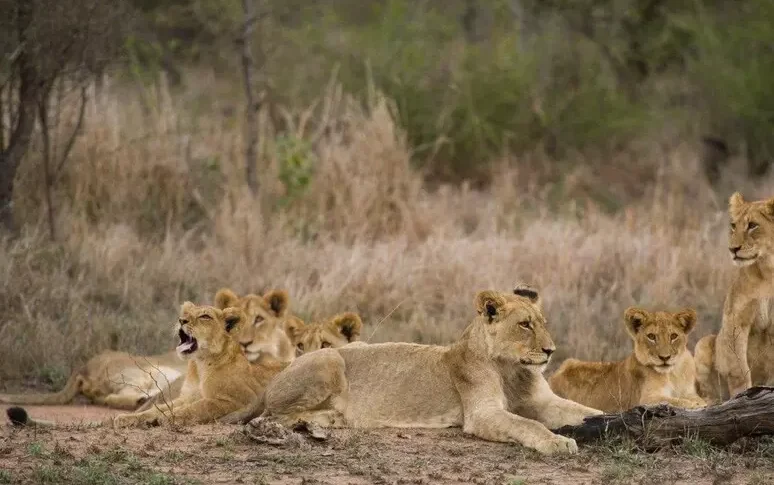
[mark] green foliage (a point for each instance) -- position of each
(733, 68)
(296, 165)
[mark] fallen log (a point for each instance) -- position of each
(749, 413)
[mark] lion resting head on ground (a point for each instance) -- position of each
(337, 331)
(489, 382)
(660, 369)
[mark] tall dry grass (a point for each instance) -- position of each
(151, 211)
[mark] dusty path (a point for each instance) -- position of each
(223, 454)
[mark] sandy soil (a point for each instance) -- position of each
(225, 454)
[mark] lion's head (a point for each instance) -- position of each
(659, 337)
(752, 232)
(513, 326)
(265, 330)
(205, 329)
(334, 332)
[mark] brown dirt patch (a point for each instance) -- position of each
(223, 454)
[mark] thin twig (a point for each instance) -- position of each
(385, 318)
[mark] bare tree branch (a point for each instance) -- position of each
(74, 135)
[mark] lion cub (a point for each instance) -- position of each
(660, 370)
(742, 353)
(337, 331)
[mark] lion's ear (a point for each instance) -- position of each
(349, 325)
(735, 203)
(225, 298)
(489, 303)
(294, 327)
(526, 291)
(278, 302)
(687, 319)
(635, 319)
(187, 306)
(233, 316)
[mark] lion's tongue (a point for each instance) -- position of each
(186, 346)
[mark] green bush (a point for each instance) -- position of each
(733, 68)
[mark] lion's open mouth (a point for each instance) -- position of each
(188, 344)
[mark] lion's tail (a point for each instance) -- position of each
(66, 395)
(19, 416)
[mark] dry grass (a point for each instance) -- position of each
(152, 211)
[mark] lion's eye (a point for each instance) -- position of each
(673, 337)
(300, 347)
(524, 324)
(205, 317)
(258, 319)
(752, 226)
(733, 226)
(651, 337)
(325, 345)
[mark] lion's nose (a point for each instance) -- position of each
(245, 344)
(735, 249)
(182, 321)
(665, 358)
(548, 352)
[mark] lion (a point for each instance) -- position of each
(114, 379)
(263, 339)
(227, 381)
(742, 353)
(489, 382)
(133, 382)
(660, 370)
(337, 331)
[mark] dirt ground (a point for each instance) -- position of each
(225, 454)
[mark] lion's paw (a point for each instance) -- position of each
(557, 445)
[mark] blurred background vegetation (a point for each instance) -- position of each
(403, 154)
(473, 79)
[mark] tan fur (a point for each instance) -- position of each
(226, 379)
(335, 332)
(660, 370)
(263, 338)
(742, 353)
(115, 379)
(267, 316)
(489, 382)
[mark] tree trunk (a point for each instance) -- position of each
(252, 105)
(749, 413)
(21, 134)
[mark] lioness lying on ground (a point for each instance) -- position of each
(226, 379)
(115, 379)
(660, 370)
(490, 382)
(742, 353)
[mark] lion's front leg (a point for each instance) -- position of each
(554, 411)
(731, 358)
(500, 425)
(199, 412)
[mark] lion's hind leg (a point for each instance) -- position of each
(312, 389)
